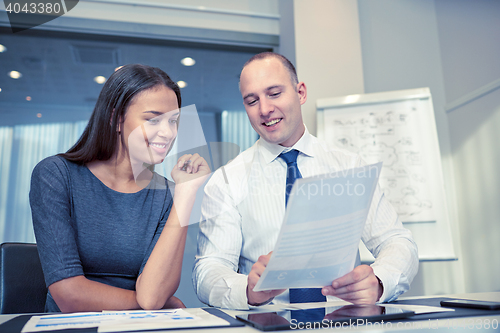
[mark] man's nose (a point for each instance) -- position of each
(266, 107)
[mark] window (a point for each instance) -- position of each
(45, 109)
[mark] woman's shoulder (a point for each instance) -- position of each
(54, 161)
(50, 163)
(50, 174)
(54, 166)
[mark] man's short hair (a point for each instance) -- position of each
(288, 65)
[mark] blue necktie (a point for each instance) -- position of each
(292, 171)
(298, 295)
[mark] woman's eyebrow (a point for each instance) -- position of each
(159, 113)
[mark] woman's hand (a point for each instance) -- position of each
(191, 170)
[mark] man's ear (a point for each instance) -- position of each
(302, 92)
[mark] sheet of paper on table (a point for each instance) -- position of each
(189, 318)
(320, 235)
(66, 321)
(113, 321)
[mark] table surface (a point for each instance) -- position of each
(435, 326)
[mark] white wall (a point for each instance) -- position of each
(401, 50)
(328, 51)
(469, 35)
(475, 137)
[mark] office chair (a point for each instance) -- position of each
(22, 285)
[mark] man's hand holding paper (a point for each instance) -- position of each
(318, 242)
(259, 297)
(360, 286)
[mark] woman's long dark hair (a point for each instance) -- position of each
(98, 141)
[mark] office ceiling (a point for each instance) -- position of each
(58, 73)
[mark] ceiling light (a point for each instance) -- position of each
(28, 98)
(181, 84)
(39, 115)
(0, 89)
(188, 61)
(15, 74)
(100, 79)
(2, 48)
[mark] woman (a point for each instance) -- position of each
(109, 233)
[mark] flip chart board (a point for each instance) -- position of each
(397, 128)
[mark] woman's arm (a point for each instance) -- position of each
(161, 275)
(76, 294)
(79, 294)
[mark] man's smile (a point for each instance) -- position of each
(272, 122)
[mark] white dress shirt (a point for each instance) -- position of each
(243, 210)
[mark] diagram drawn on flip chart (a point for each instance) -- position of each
(397, 128)
(383, 133)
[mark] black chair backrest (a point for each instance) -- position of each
(22, 285)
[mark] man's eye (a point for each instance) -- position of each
(174, 121)
(276, 94)
(252, 102)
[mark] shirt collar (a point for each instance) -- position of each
(270, 151)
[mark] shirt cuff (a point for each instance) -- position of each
(233, 292)
(237, 297)
(388, 284)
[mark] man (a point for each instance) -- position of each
(244, 203)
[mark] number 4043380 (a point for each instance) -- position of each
(33, 8)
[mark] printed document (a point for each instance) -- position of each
(120, 321)
(320, 235)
